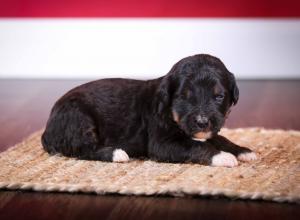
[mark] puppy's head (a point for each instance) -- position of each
(198, 93)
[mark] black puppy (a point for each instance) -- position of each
(175, 118)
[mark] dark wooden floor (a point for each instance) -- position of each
(24, 108)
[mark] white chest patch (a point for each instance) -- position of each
(120, 156)
(199, 139)
(224, 159)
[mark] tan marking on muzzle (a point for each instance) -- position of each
(175, 116)
(202, 135)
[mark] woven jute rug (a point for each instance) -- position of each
(274, 176)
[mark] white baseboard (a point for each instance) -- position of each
(146, 48)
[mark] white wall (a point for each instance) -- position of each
(146, 48)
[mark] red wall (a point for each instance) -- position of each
(149, 8)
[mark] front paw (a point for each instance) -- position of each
(247, 156)
(224, 159)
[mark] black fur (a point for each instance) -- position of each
(94, 119)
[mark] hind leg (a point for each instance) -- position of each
(107, 154)
(73, 131)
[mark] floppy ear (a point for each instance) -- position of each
(166, 89)
(234, 90)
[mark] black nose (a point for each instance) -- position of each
(202, 121)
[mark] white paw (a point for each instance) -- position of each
(247, 156)
(224, 159)
(120, 156)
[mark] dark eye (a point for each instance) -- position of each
(219, 98)
(187, 93)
